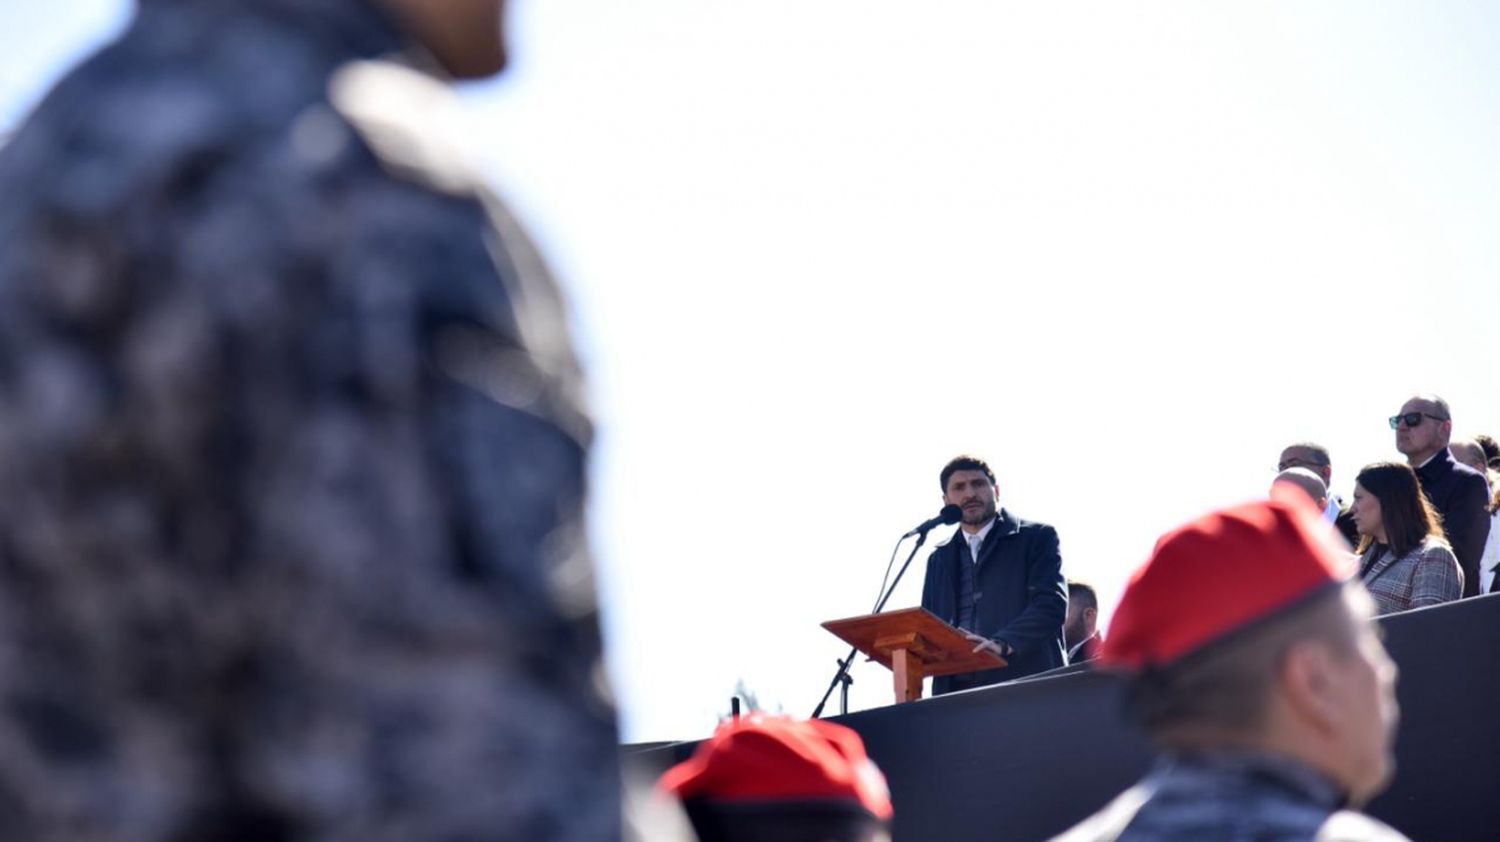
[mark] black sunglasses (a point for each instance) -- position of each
(1412, 419)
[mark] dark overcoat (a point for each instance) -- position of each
(1021, 597)
(1461, 496)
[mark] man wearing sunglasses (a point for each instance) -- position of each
(1459, 493)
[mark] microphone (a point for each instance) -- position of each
(949, 514)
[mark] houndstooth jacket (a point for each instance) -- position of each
(1427, 575)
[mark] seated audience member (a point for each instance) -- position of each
(776, 779)
(1404, 560)
(1307, 482)
(1490, 447)
(1460, 494)
(1315, 458)
(1489, 563)
(1468, 452)
(1080, 628)
(1269, 695)
(1491, 558)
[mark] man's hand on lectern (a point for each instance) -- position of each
(986, 645)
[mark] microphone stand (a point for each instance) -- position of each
(842, 677)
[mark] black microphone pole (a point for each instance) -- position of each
(842, 676)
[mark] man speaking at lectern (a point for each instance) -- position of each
(999, 579)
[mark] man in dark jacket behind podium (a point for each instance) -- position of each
(999, 579)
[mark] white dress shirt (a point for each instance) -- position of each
(1491, 557)
(976, 541)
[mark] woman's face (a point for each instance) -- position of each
(1367, 513)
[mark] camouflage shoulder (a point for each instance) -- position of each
(407, 118)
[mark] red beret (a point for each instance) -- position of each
(774, 758)
(1219, 574)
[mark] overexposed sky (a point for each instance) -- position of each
(1125, 252)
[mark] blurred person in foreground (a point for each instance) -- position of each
(775, 779)
(1460, 494)
(1081, 626)
(1404, 560)
(291, 450)
(1268, 693)
(1315, 457)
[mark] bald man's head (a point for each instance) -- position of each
(1424, 428)
(1429, 403)
(1469, 453)
(1310, 483)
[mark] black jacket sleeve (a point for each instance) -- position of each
(1046, 596)
(1468, 527)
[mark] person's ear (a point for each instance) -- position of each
(1308, 682)
(1090, 615)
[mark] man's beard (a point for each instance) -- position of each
(978, 516)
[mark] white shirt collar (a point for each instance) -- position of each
(982, 533)
(1331, 511)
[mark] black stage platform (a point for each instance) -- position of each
(1024, 761)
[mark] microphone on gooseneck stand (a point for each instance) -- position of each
(949, 515)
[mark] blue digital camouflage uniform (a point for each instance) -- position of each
(291, 458)
(1230, 796)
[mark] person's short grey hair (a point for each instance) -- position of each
(1470, 453)
(1307, 480)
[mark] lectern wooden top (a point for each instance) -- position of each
(942, 648)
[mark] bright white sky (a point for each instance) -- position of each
(1124, 252)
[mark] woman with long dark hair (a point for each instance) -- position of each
(1405, 561)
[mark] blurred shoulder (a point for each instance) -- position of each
(1346, 826)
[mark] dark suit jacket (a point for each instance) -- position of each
(1022, 597)
(1462, 497)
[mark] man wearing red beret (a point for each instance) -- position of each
(1269, 695)
(776, 779)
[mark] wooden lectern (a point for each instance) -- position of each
(913, 643)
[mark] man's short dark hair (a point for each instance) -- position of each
(1322, 459)
(1227, 686)
(1084, 593)
(964, 463)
